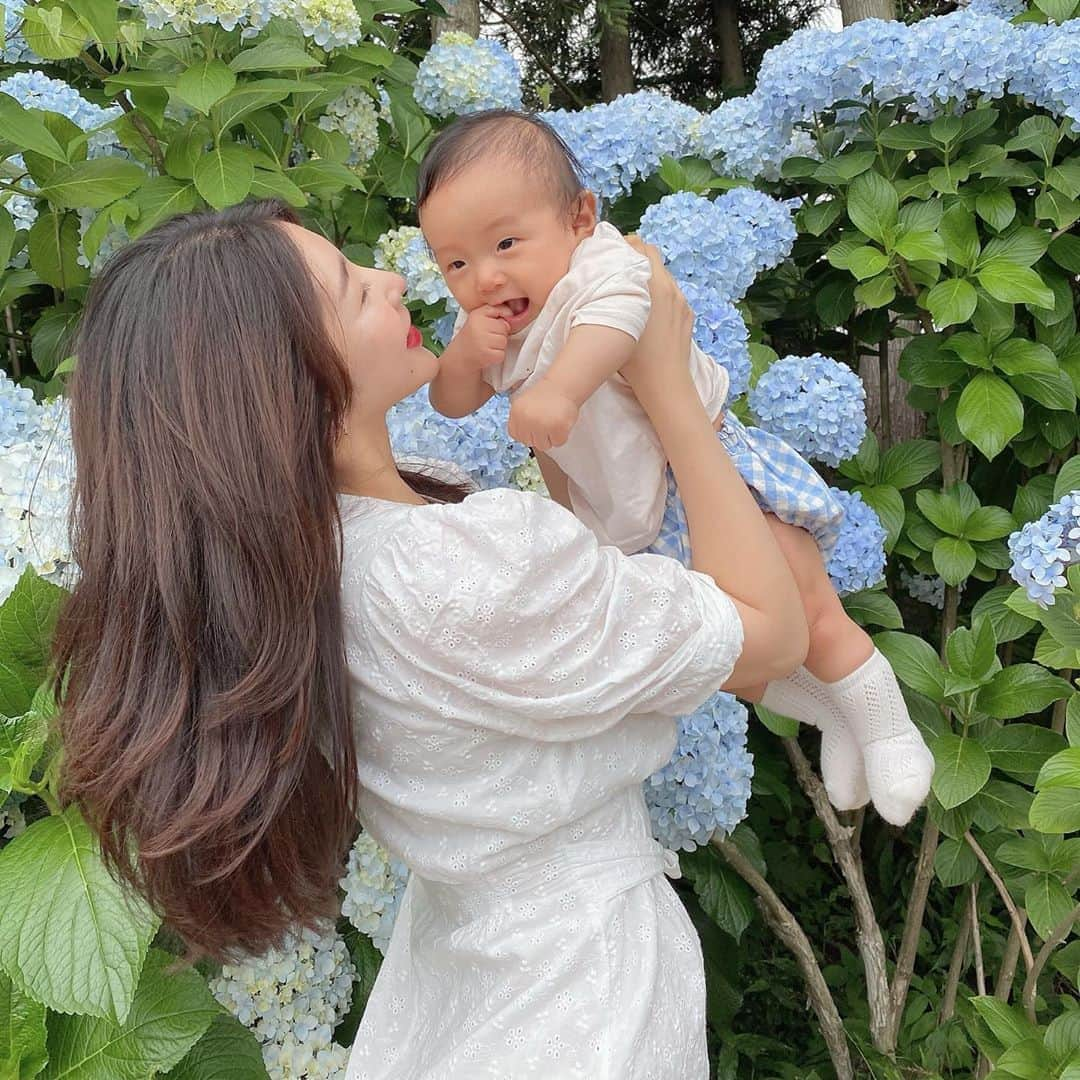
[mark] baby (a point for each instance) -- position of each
(553, 302)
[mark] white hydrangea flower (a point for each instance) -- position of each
(12, 821)
(292, 999)
(527, 477)
(404, 251)
(374, 883)
(356, 116)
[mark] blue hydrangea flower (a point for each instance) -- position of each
(720, 332)
(814, 403)
(706, 784)
(36, 90)
(461, 74)
(13, 49)
(330, 24)
(998, 9)
(1049, 75)
(858, 559)
(405, 251)
(374, 884)
(621, 141)
(19, 411)
(479, 443)
(1042, 550)
(355, 114)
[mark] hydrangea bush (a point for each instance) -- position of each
(888, 189)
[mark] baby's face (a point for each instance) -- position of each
(500, 238)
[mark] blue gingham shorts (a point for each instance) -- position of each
(783, 483)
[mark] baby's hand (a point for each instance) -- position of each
(481, 342)
(542, 416)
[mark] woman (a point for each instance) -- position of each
(508, 683)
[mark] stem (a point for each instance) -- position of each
(868, 931)
(885, 405)
(13, 348)
(912, 290)
(976, 938)
(1007, 971)
(787, 929)
(541, 62)
(957, 967)
(1057, 718)
(1003, 892)
(909, 943)
(121, 99)
(1057, 936)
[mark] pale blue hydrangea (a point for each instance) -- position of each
(292, 998)
(374, 884)
(461, 74)
(404, 251)
(1050, 75)
(115, 237)
(12, 818)
(36, 90)
(998, 9)
(1042, 550)
(929, 589)
(18, 411)
(316, 1058)
(858, 560)
(619, 142)
(479, 443)
(37, 470)
(771, 223)
(442, 330)
(13, 49)
(720, 332)
(815, 403)
(738, 141)
(706, 784)
(355, 114)
(331, 24)
(23, 211)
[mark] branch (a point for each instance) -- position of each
(912, 290)
(976, 938)
(541, 62)
(1057, 936)
(868, 932)
(121, 99)
(1007, 971)
(787, 929)
(909, 943)
(957, 967)
(1003, 892)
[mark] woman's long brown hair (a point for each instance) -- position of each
(199, 661)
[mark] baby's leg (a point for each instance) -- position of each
(843, 668)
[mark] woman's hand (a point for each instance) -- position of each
(660, 365)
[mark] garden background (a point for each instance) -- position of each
(879, 219)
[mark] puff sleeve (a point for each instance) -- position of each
(503, 611)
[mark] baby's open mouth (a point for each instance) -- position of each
(518, 306)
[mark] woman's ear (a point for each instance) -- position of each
(583, 214)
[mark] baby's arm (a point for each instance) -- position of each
(459, 387)
(542, 415)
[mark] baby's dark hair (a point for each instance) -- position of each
(521, 137)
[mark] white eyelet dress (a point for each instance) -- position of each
(513, 684)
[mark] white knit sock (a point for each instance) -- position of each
(898, 764)
(808, 700)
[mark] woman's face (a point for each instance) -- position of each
(369, 324)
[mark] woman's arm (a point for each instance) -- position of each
(729, 537)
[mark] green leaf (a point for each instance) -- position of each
(53, 246)
(955, 863)
(906, 136)
(1021, 690)
(266, 183)
(989, 413)
(1027, 1060)
(723, 895)
(781, 726)
(872, 205)
(818, 217)
(951, 301)
(1062, 619)
(961, 235)
(918, 245)
(1047, 903)
(159, 199)
(1058, 10)
(248, 97)
(1053, 389)
(877, 292)
(1054, 206)
(323, 178)
(947, 178)
(1072, 720)
(925, 363)
(920, 216)
(914, 662)
(1007, 1022)
(1001, 805)
(228, 1051)
(944, 509)
(996, 207)
(963, 767)
(1025, 853)
(1021, 749)
(274, 55)
(1065, 176)
(989, 523)
(53, 32)
(223, 177)
(1023, 245)
(1062, 1038)
(205, 84)
(871, 607)
(25, 128)
(1056, 810)
(908, 463)
(840, 170)
(954, 559)
(93, 184)
(27, 618)
(1065, 251)
(68, 936)
(867, 262)
(888, 504)
(169, 1014)
(1062, 770)
(1014, 284)
(1008, 625)
(1039, 134)
(22, 1033)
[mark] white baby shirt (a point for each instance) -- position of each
(613, 459)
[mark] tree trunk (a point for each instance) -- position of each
(902, 421)
(461, 15)
(854, 10)
(729, 44)
(616, 66)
